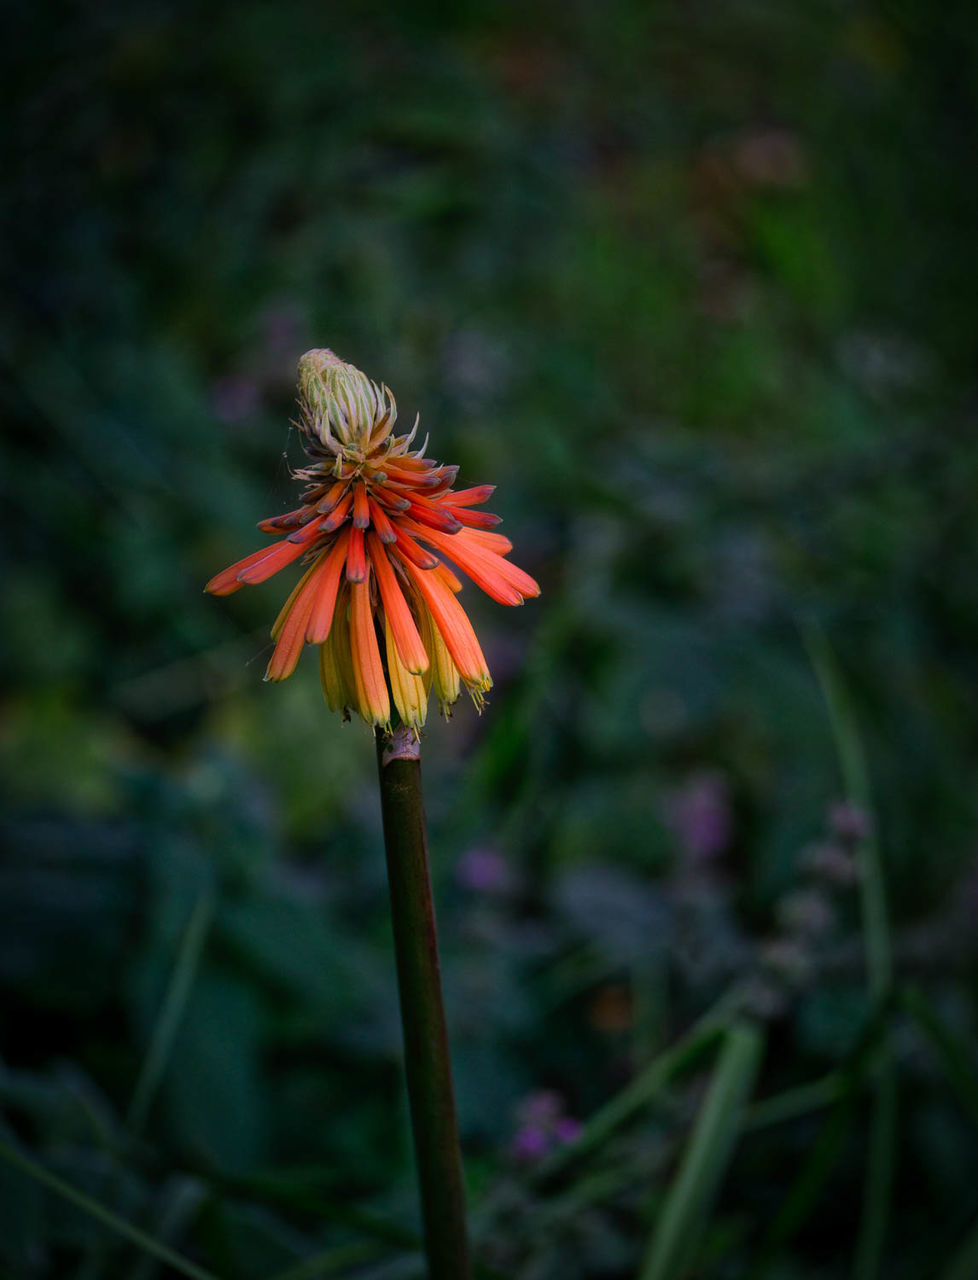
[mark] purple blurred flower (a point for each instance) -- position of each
(699, 814)
(543, 1125)
(850, 823)
(807, 912)
(831, 863)
(531, 1143)
(483, 871)
(567, 1129)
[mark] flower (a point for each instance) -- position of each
(376, 525)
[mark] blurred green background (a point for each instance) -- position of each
(695, 286)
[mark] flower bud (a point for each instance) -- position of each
(340, 405)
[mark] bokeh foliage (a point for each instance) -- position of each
(695, 286)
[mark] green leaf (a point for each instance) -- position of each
(707, 1155)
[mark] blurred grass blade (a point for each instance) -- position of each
(797, 1205)
(881, 1155)
(964, 1264)
(953, 1057)
(182, 1202)
(171, 1012)
(643, 1088)
(109, 1219)
(792, 1103)
(855, 779)
(708, 1153)
(330, 1261)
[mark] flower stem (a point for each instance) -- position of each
(427, 1062)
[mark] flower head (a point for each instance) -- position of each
(376, 524)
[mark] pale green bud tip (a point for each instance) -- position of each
(340, 405)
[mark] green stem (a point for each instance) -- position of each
(427, 1062)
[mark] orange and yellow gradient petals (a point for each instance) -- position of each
(396, 609)
(452, 622)
(408, 688)
(254, 568)
(497, 577)
(442, 675)
(321, 617)
(292, 627)
(368, 670)
(335, 665)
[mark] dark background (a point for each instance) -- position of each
(695, 286)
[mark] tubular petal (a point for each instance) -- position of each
(361, 510)
(393, 501)
(283, 613)
(495, 576)
(286, 521)
(409, 550)
(333, 496)
(380, 522)
(292, 635)
(227, 581)
(453, 623)
(443, 674)
(356, 559)
(275, 558)
(497, 542)
(432, 513)
(473, 497)
(308, 533)
(338, 514)
(410, 695)
(335, 665)
(396, 609)
(321, 617)
(451, 582)
(397, 474)
(368, 671)
(473, 519)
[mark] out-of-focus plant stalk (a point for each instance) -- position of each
(882, 1150)
(427, 1062)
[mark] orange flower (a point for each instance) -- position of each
(376, 524)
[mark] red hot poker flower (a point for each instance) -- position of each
(377, 523)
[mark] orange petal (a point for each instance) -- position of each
(497, 542)
(442, 675)
(472, 497)
(368, 670)
(408, 549)
(292, 635)
(473, 519)
(456, 630)
(396, 609)
(380, 521)
(361, 509)
(451, 582)
(327, 586)
(335, 661)
(287, 521)
(356, 558)
(393, 501)
(407, 688)
(496, 576)
(308, 533)
(227, 581)
(397, 474)
(259, 568)
(336, 492)
(432, 514)
(339, 513)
